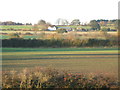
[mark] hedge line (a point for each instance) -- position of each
(58, 43)
(53, 79)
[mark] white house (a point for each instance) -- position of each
(52, 28)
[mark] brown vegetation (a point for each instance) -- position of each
(52, 78)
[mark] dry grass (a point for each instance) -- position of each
(70, 35)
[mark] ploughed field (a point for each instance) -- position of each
(75, 60)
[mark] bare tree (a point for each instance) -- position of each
(61, 21)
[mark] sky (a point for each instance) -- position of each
(31, 11)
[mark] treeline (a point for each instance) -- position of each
(13, 23)
(104, 20)
(34, 43)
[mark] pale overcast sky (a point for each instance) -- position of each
(50, 10)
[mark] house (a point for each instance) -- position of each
(52, 28)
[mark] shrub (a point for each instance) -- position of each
(61, 30)
(14, 35)
(52, 78)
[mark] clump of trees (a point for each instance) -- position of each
(41, 25)
(41, 22)
(13, 23)
(94, 25)
(75, 22)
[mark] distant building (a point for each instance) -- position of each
(52, 28)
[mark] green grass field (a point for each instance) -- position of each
(88, 27)
(85, 27)
(16, 27)
(31, 27)
(74, 60)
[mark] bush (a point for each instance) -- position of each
(52, 78)
(61, 30)
(105, 29)
(14, 35)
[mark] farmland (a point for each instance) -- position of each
(75, 52)
(16, 27)
(29, 27)
(76, 60)
(24, 30)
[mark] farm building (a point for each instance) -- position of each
(52, 28)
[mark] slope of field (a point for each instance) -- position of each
(83, 60)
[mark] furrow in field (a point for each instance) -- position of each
(61, 52)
